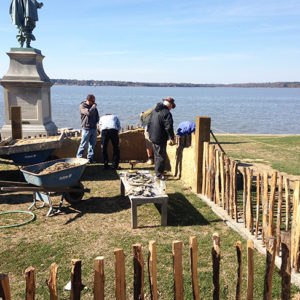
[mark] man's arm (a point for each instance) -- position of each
(168, 124)
(86, 111)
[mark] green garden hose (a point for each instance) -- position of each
(18, 212)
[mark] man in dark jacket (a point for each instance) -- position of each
(161, 130)
(89, 119)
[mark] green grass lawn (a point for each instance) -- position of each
(102, 222)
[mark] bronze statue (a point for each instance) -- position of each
(24, 15)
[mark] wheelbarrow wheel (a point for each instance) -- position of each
(75, 197)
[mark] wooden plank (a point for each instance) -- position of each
(272, 203)
(210, 172)
(120, 283)
(99, 278)
(138, 266)
(222, 180)
(204, 166)
(177, 270)
(217, 176)
(257, 204)
(270, 260)
(249, 210)
(30, 283)
(76, 284)
(216, 258)
(285, 265)
(250, 269)
(202, 134)
(213, 171)
(152, 269)
(4, 287)
(238, 293)
(52, 282)
(287, 203)
(16, 122)
(194, 265)
(244, 172)
(278, 221)
(265, 203)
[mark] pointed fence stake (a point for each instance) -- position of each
(99, 278)
(194, 265)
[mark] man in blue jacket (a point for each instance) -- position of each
(161, 130)
(89, 119)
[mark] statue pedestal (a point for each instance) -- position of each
(27, 85)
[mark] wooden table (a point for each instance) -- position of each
(135, 201)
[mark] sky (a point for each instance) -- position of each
(191, 41)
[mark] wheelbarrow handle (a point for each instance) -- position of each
(14, 183)
(40, 189)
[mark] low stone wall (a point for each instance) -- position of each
(132, 146)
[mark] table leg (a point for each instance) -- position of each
(164, 213)
(133, 215)
(122, 188)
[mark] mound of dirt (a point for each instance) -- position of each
(57, 167)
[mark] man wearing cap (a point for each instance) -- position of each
(161, 130)
(89, 119)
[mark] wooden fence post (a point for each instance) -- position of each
(250, 270)
(75, 280)
(211, 176)
(177, 269)
(285, 265)
(234, 191)
(231, 189)
(272, 203)
(138, 264)
(244, 172)
(120, 283)
(227, 183)
(257, 204)
(4, 287)
(249, 210)
(238, 247)
(222, 180)
(278, 222)
(152, 270)
(216, 258)
(202, 134)
(16, 122)
(265, 203)
(99, 278)
(217, 176)
(204, 167)
(296, 197)
(30, 283)
(270, 259)
(194, 264)
(52, 282)
(287, 203)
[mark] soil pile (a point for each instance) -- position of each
(57, 167)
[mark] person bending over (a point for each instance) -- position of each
(110, 127)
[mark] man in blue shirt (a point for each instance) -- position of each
(110, 127)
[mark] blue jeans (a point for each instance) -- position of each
(89, 136)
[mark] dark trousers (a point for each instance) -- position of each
(113, 135)
(160, 158)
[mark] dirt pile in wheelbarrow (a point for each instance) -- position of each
(57, 167)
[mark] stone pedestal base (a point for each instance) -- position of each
(27, 85)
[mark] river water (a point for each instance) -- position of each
(232, 110)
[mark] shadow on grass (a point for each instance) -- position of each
(182, 213)
(11, 175)
(14, 199)
(97, 205)
(229, 143)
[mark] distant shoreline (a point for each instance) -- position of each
(76, 82)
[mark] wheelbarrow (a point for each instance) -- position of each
(30, 151)
(65, 182)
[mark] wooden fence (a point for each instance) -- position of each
(138, 266)
(269, 204)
